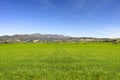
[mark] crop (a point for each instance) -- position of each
(60, 61)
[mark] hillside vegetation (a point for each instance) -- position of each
(36, 38)
(60, 61)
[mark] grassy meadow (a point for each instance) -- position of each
(60, 61)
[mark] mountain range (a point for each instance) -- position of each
(37, 37)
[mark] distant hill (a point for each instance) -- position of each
(49, 38)
(32, 37)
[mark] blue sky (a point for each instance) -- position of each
(89, 18)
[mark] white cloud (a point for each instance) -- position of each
(47, 3)
(111, 32)
(77, 3)
(80, 3)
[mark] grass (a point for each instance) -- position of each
(60, 61)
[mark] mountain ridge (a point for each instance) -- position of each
(37, 37)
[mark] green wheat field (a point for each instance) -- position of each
(60, 61)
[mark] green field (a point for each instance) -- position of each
(60, 61)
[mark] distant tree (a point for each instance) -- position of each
(114, 41)
(6, 42)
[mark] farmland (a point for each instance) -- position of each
(60, 61)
